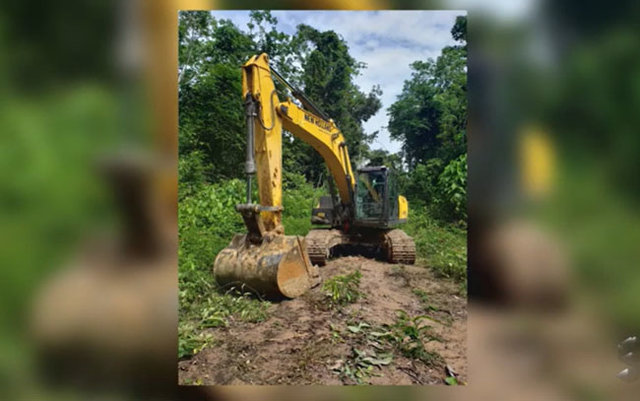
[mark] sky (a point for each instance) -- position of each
(387, 41)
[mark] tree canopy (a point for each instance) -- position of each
(430, 119)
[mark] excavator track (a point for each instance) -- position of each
(319, 244)
(400, 247)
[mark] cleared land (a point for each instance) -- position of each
(378, 339)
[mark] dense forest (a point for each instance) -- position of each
(428, 118)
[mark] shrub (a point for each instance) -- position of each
(452, 188)
(442, 188)
(191, 173)
(444, 246)
(408, 334)
(342, 290)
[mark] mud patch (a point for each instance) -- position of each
(305, 341)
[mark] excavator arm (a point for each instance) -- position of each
(326, 139)
(266, 118)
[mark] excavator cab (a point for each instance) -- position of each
(377, 203)
(376, 199)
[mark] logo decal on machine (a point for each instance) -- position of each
(317, 121)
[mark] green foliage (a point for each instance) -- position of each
(50, 196)
(57, 47)
(380, 157)
(422, 185)
(442, 188)
(459, 30)
(342, 290)
(430, 115)
(299, 197)
(605, 74)
(206, 223)
(360, 365)
(376, 346)
(408, 334)
(278, 45)
(212, 120)
(430, 118)
(204, 41)
(214, 311)
(371, 351)
(191, 173)
(207, 220)
(443, 245)
(191, 341)
(601, 231)
(452, 185)
(328, 79)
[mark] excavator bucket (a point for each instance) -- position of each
(277, 266)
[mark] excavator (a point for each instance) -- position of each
(364, 211)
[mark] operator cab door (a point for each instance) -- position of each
(372, 197)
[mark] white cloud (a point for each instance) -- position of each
(504, 10)
(387, 41)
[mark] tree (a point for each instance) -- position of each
(430, 115)
(328, 72)
(211, 119)
(381, 157)
(278, 45)
(459, 30)
(430, 119)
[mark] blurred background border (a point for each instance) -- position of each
(87, 88)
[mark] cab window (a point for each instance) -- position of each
(370, 195)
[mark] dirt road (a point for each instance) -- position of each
(305, 341)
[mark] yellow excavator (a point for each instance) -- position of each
(364, 211)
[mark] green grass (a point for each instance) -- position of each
(408, 335)
(424, 300)
(214, 310)
(207, 222)
(441, 246)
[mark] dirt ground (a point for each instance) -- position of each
(304, 341)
